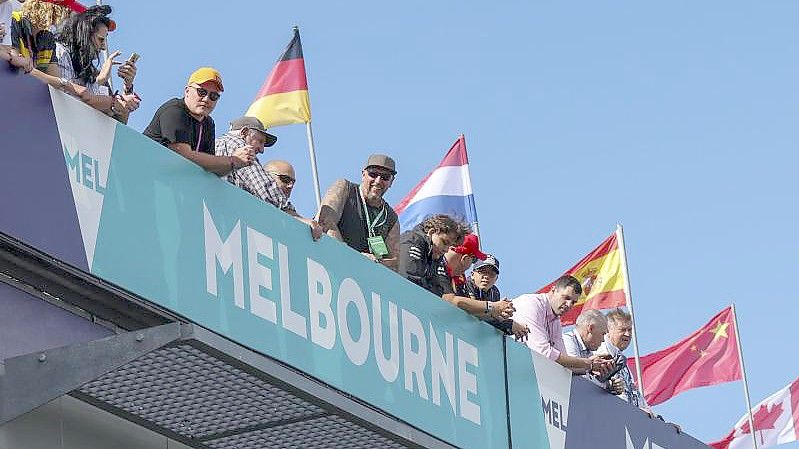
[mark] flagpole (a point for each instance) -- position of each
(743, 374)
(312, 152)
(475, 225)
(620, 234)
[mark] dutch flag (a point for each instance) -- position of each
(446, 190)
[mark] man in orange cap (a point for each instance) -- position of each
(185, 125)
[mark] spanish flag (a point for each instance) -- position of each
(602, 276)
(283, 99)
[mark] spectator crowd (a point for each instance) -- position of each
(63, 47)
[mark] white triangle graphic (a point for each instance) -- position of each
(554, 385)
(87, 138)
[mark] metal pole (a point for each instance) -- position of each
(623, 249)
(743, 374)
(312, 152)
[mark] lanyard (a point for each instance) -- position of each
(199, 138)
(380, 219)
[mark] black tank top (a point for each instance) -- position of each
(353, 225)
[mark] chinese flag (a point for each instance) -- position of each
(776, 422)
(709, 356)
(283, 99)
(602, 277)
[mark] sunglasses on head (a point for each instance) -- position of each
(202, 92)
(383, 176)
(285, 179)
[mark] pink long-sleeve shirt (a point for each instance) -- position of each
(545, 335)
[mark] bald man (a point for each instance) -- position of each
(284, 173)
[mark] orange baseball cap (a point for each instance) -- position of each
(205, 74)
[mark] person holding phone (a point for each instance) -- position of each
(588, 333)
(77, 51)
(620, 330)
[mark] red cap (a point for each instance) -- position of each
(470, 246)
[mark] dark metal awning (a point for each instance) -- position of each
(203, 390)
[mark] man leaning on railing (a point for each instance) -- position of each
(541, 313)
(588, 333)
(248, 134)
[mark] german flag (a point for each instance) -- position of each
(602, 276)
(283, 99)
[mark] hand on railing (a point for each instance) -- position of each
(129, 101)
(520, 331)
(502, 310)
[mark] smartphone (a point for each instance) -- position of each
(133, 58)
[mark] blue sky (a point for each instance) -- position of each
(676, 119)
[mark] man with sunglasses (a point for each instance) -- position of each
(357, 214)
(185, 126)
(247, 134)
(283, 173)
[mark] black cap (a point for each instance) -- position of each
(490, 261)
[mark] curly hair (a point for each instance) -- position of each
(442, 223)
(76, 35)
(42, 15)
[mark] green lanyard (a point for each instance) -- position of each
(379, 220)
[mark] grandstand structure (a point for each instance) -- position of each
(145, 303)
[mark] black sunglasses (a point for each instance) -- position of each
(202, 92)
(285, 179)
(383, 176)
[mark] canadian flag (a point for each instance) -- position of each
(776, 422)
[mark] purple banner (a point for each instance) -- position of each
(36, 199)
(29, 324)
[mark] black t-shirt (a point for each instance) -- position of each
(172, 123)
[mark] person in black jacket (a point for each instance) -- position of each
(422, 247)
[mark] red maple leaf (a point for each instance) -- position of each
(764, 417)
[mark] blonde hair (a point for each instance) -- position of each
(43, 15)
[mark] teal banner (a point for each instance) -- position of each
(527, 420)
(197, 245)
(136, 214)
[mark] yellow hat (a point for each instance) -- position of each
(205, 74)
